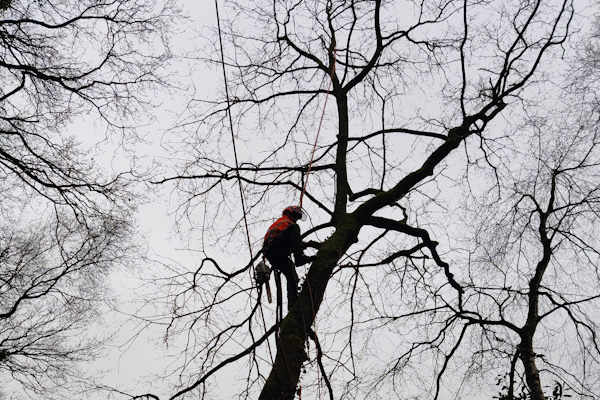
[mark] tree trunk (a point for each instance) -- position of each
(532, 375)
(283, 379)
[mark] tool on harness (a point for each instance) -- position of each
(262, 273)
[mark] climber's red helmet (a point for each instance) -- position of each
(294, 212)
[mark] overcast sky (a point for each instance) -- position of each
(131, 364)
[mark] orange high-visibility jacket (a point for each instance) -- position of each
(278, 227)
(283, 239)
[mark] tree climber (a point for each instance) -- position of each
(282, 240)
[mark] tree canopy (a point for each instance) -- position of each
(69, 69)
(454, 183)
(453, 198)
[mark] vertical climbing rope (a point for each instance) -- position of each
(237, 168)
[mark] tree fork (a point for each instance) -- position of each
(285, 373)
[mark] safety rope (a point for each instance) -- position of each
(304, 186)
(312, 154)
(279, 311)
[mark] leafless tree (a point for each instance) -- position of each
(60, 61)
(64, 64)
(533, 257)
(51, 286)
(531, 263)
(411, 84)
